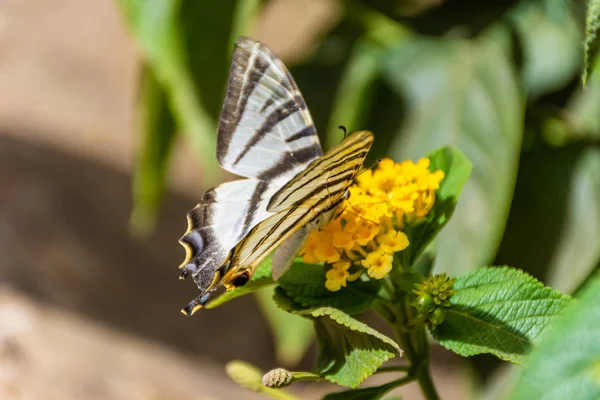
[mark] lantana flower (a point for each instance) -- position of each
(371, 226)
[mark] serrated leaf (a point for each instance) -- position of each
(457, 169)
(454, 88)
(578, 251)
(349, 350)
(498, 310)
(156, 135)
(305, 283)
(261, 279)
(566, 365)
(592, 39)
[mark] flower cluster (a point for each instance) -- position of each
(371, 226)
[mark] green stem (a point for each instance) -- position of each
(394, 368)
(415, 346)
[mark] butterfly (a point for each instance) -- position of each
(265, 134)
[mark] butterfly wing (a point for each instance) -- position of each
(266, 134)
(309, 200)
(265, 129)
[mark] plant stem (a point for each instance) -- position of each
(426, 383)
(393, 368)
(415, 345)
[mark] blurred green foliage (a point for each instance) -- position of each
(499, 80)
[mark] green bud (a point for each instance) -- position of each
(424, 303)
(437, 316)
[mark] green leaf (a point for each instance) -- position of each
(305, 284)
(349, 351)
(261, 279)
(156, 25)
(456, 169)
(498, 310)
(156, 134)
(551, 42)
(578, 251)
(566, 365)
(188, 45)
(454, 88)
(591, 38)
(293, 334)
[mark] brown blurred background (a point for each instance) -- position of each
(86, 311)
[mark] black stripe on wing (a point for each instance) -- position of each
(238, 93)
(348, 155)
(262, 92)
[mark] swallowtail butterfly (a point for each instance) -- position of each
(265, 134)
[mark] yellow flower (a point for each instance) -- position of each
(371, 224)
(365, 233)
(324, 250)
(392, 241)
(378, 264)
(336, 277)
(307, 251)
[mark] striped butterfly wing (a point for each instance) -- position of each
(265, 134)
(308, 200)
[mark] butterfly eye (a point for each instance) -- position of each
(241, 280)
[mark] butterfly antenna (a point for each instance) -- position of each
(342, 127)
(371, 167)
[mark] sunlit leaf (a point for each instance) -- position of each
(465, 94)
(566, 365)
(498, 310)
(349, 350)
(578, 251)
(456, 168)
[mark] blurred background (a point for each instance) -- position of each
(108, 115)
